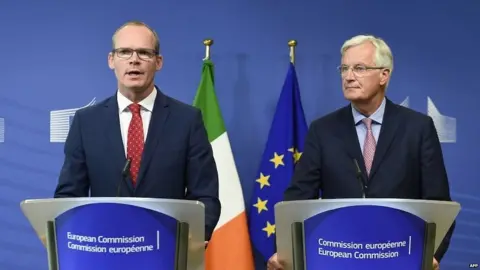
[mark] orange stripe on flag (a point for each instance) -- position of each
(229, 248)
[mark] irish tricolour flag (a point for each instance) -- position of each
(229, 248)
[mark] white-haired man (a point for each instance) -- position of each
(407, 162)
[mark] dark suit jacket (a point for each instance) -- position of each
(177, 156)
(408, 161)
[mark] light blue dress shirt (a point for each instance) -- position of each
(377, 119)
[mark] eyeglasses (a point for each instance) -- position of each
(126, 53)
(358, 70)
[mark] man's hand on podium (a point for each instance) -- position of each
(43, 238)
(194, 247)
(436, 265)
(274, 263)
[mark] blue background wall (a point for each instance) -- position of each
(54, 57)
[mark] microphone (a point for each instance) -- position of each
(360, 177)
(125, 171)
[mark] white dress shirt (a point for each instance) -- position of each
(125, 116)
(377, 121)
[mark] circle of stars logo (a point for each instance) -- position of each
(265, 181)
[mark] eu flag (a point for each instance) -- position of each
(282, 151)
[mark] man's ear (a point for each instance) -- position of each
(384, 76)
(110, 61)
(159, 62)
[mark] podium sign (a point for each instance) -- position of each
(364, 237)
(361, 234)
(115, 236)
(120, 233)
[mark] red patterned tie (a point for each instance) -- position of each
(369, 145)
(135, 141)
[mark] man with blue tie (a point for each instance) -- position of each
(164, 140)
(397, 149)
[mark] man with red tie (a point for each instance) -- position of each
(163, 140)
(397, 149)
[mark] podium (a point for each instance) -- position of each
(361, 233)
(119, 233)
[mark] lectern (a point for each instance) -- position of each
(119, 233)
(361, 234)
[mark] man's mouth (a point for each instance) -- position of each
(134, 73)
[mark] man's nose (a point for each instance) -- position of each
(349, 76)
(134, 59)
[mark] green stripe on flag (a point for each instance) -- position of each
(207, 102)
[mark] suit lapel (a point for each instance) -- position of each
(114, 137)
(348, 134)
(387, 135)
(155, 130)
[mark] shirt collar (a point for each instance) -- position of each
(146, 104)
(377, 116)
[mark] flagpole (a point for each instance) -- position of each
(292, 44)
(208, 43)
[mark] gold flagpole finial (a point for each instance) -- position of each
(292, 44)
(208, 43)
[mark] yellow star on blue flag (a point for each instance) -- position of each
(283, 149)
